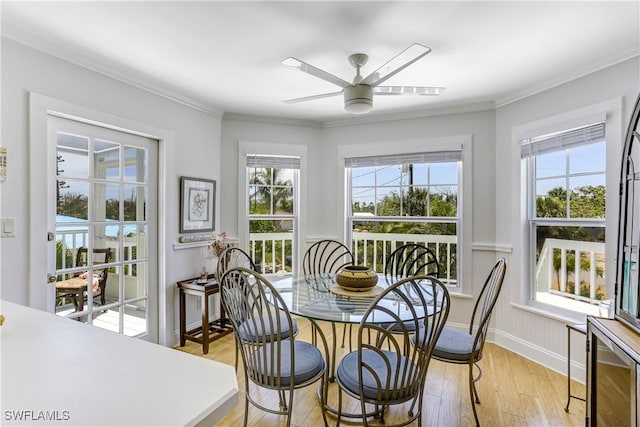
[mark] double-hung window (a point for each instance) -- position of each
(565, 180)
(273, 211)
(405, 198)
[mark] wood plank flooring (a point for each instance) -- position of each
(514, 392)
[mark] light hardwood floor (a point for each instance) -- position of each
(514, 392)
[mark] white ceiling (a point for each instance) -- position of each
(225, 56)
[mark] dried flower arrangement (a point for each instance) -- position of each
(218, 245)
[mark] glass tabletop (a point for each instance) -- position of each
(311, 297)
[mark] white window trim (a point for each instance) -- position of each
(454, 142)
(275, 149)
(611, 112)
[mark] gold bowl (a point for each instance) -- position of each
(357, 278)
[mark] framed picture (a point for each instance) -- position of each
(197, 204)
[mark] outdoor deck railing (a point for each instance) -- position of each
(71, 240)
(588, 268)
(371, 249)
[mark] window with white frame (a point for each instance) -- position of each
(405, 198)
(272, 194)
(566, 187)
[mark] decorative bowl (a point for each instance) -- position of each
(357, 278)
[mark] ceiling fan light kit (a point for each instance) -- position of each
(358, 99)
(358, 95)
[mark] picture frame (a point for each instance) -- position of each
(197, 204)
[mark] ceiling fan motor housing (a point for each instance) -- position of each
(358, 99)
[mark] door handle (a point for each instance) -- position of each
(51, 278)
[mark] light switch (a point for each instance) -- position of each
(8, 227)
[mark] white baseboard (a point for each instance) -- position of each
(555, 362)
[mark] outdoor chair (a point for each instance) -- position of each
(98, 281)
(272, 360)
(456, 346)
(386, 369)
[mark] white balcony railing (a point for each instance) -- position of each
(553, 275)
(372, 249)
(271, 251)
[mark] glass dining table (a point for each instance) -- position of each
(320, 298)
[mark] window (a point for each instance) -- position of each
(566, 183)
(272, 189)
(405, 198)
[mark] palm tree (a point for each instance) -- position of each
(270, 192)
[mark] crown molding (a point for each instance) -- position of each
(48, 47)
(599, 64)
(413, 114)
(272, 120)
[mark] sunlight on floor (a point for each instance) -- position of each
(135, 322)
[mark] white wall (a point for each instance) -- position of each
(196, 152)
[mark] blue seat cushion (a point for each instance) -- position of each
(308, 361)
(452, 345)
(252, 330)
(347, 372)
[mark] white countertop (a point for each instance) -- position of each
(60, 372)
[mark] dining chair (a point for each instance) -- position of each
(233, 257)
(411, 259)
(320, 264)
(385, 369)
(272, 360)
(455, 346)
(325, 258)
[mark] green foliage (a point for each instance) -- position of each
(76, 206)
(583, 202)
(269, 193)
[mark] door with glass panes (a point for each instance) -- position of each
(105, 227)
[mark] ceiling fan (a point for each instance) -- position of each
(358, 96)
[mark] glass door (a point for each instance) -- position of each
(105, 227)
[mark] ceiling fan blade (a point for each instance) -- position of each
(397, 64)
(317, 72)
(312, 97)
(408, 90)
